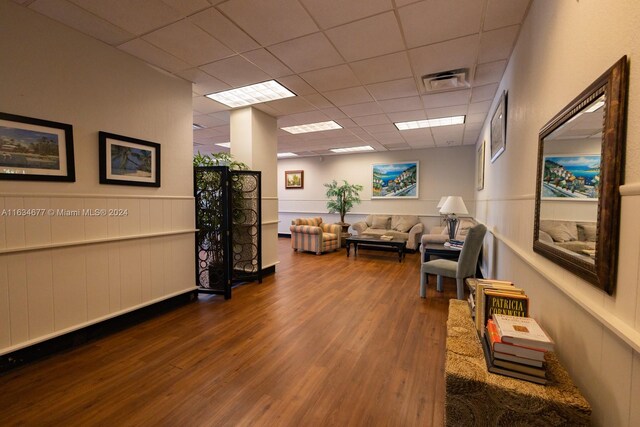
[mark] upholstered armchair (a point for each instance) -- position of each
(311, 234)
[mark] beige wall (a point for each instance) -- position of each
(442, 172)
(61, 273)
(563, 47)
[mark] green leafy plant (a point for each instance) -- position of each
(218, 159)
(342, 197)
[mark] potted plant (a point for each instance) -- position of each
(342, 197)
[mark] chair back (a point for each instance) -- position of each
(470, 251)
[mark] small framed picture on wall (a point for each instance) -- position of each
(480, 166)
(294, 179)
(128, 161)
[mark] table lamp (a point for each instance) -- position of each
(453, 206)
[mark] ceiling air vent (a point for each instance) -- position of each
(446, 80)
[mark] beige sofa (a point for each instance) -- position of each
(575, 236)
(406, 227)
(440, 234)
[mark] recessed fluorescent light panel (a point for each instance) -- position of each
(252, 94)
(352, 149)
(283, 155)
(312, 127)
(224, 144)
(431, 123)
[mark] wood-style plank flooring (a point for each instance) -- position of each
(327, 340)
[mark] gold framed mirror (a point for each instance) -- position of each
(580, 170)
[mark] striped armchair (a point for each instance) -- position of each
(311, 234)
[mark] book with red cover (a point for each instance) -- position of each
(516, 350)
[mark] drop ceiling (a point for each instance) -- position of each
(358, 62)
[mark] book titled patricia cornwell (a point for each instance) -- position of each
(510, 304)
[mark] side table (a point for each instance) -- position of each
(476, 397)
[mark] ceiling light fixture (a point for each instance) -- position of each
(252, 94)
(224, 144)
(312, 127)
(431, 123)
(352, 149)
(446, 80)
(283, 155)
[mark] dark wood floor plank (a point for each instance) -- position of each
(327, 340)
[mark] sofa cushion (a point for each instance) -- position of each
(380, 222)
(329, 236)
(587, 232)
(308, 221)
(560, 231)
(543, 236)
(379, 232)
(403, 223)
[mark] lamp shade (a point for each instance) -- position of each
(454, 205)
(441, 202)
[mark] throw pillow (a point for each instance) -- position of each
(559, 232)
(381, 222)
(403, 223)
(588, 232)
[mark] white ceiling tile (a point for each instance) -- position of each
(307, 53)
(302, 118)
(338, 77)
(346, 123)
(236, 71)
(268, 63)
(225, 116)
(407, 116)
(376, 119)
(394, 89)
(418, 135)
(470, 136)
(445, 56)
(291, 105)
(203, 83)
(318, 101)
(382, 128)
(208, 121)
(383, 68)
(138, 17)
(401, 104)
(187, 7)
(334, 113)
(497, 44)
(483, 93)
(204, 105)
(490, 72)
(216, 24)
(435, 21)
(501, 13)
(330, 13)
(479, 107)
(476, 118)
(365, 109)
(397, 146)
(388, 137)
(446, 99)
(266, 108)
(270, 22)
(151, 54)
(367, 38)
(458, 110)
(189, 43)
(354, 95)
(468, 127)
(296, 85)
(448, 135)
(81, 20)
(422, 144)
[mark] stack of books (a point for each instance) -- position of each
(456, 244)
(491, 296)
(386, 237)
(515, 347)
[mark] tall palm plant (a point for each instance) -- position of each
(342, 197)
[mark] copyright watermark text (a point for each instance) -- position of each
(31, 212)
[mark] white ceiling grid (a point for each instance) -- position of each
(358, 62)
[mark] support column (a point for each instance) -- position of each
(254, 141)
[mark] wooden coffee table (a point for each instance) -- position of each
(374, 243)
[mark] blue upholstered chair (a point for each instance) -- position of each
(461, 269)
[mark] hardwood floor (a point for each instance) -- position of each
(327, 340)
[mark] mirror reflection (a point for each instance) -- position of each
(570, 185)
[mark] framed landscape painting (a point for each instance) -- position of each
(35, 150)
(394, 180)
(128, 161)
(294, 179)
(571, 177)
(499, 128)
